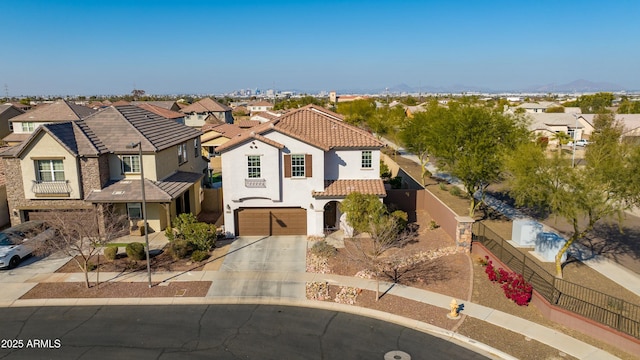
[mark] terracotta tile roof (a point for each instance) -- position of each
(247, 124)
(58, 111)
(205, 105)
(155, 191)
(316, 126)
(169, 114)
(342, 188)
(261, 103)
(266, 115)
(226, 130)
(121, 103)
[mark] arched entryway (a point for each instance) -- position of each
(331, 215)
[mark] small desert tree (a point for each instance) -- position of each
(81, 234)
(603, 188)
(374, 251)
(362, 210)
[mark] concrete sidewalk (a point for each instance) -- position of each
(275, 281)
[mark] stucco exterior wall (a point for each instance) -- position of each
(48, 148)
(347, 164)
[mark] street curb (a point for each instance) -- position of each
(458, 339)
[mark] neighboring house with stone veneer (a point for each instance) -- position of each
(287, 176)
(206, 110)
(58, 111)
(78, 164)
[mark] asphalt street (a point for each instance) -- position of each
(211, 332)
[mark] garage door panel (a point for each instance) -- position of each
(271, 221)
(288, 222)
(252, 222)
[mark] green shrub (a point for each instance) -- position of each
(433, 225)
(91, 266)
(135, 251)
(323, 249)
(180, 249)
(201, 236)
(110, 253)
(442, 186)
(455, 191)
(402, 218)
(199, 255)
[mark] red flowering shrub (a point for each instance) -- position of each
(514, 285)
(517, 289)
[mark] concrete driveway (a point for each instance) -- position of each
(254, 260)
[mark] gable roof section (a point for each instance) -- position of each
(58, 111)
(68, 134)
(316, 126)
(166, 113)
(204, 106)
(119, 126)
(7, 107)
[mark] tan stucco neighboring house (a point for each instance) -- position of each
(80, 164)
(214, 136)
(538, 107)
(206, 110)
(548, 124)
(59, 111)
(630, 123)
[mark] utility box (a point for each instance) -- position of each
(548, 245)
(525, 231)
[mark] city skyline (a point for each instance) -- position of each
(87, 47)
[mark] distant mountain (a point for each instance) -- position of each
(576, 86)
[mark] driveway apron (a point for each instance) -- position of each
(250, 259)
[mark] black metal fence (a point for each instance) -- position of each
(605, 309)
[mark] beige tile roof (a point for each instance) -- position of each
(169, 114)
(58, 111)
(112, 129)
(13, 137)
(342, 188)
(316, 126)
(205, 105)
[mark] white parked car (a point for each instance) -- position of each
(20, 241)
(581, 142)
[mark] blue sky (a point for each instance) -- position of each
(164, 47)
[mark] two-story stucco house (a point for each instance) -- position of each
(287, 176)
(59, 111)
(77, 164)
(207, 111)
